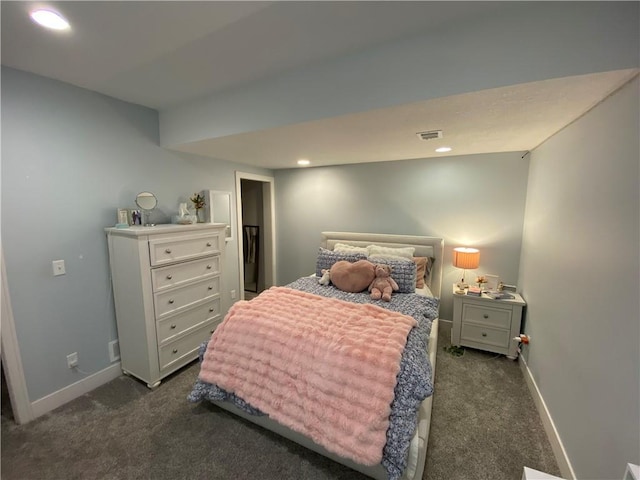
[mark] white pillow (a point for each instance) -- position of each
(379, 251)
(344, 248)
(388, 257)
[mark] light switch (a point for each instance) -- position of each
(58, 268)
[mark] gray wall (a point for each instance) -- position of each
(70, 157)
(473, 200)
(579, 272)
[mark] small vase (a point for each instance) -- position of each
(200, 215)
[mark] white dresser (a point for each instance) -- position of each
(166, 286)
(487, 324)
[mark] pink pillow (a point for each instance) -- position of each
(352, 277)
(421, 265)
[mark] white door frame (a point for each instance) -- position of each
(269, 214)
(11, 359)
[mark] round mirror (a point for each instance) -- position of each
(146, 201)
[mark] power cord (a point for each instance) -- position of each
(76, 368)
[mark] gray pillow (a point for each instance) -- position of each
(326, 259)
(402, 271)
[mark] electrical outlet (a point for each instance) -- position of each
(114, 351)
(233, 294)
(72, 360)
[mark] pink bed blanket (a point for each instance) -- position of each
(323, 367)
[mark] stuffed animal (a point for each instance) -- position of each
(383, 285)
(352, 277)
(326, 277)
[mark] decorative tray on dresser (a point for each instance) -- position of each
(166, 285)
(486, 323)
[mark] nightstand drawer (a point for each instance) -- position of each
(486, 335)
(480, 314)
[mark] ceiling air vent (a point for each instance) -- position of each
(430, 135)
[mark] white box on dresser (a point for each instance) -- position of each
(166, 286)
(486, 323)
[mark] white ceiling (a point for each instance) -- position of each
(508, 119)
(163, 54)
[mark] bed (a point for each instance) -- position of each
(407, 430)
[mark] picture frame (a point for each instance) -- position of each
(123, 216)
(135, 216)
(492, 282)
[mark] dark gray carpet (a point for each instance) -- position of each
(484, 426)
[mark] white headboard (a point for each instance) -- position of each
(425, 247)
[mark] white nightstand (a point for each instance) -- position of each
(487, 324)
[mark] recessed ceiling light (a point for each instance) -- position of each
(443, 149)
(303, 162)
(49, 19)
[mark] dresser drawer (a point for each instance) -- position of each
(495, 317)
(195, 317)
(185, 347)
(171, 248)
(171, 301)
(178, 274)
(485, 335)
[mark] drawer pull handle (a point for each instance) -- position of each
(171, 301)
(209, 267)
(169, 277)
(209, 287)
(484, 334)
(175, 350)
(173, 327)
(211, 309)
(486, 316)
(168, 250)
(208, 244)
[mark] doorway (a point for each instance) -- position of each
(14, 385)
(256, 225)
(6, 410)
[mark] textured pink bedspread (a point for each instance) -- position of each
(323, 367)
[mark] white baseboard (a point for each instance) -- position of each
(75, 390)
(531, 474)
(547, 422)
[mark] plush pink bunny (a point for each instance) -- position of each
(383, 285)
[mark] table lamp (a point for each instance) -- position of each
(466, 259)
